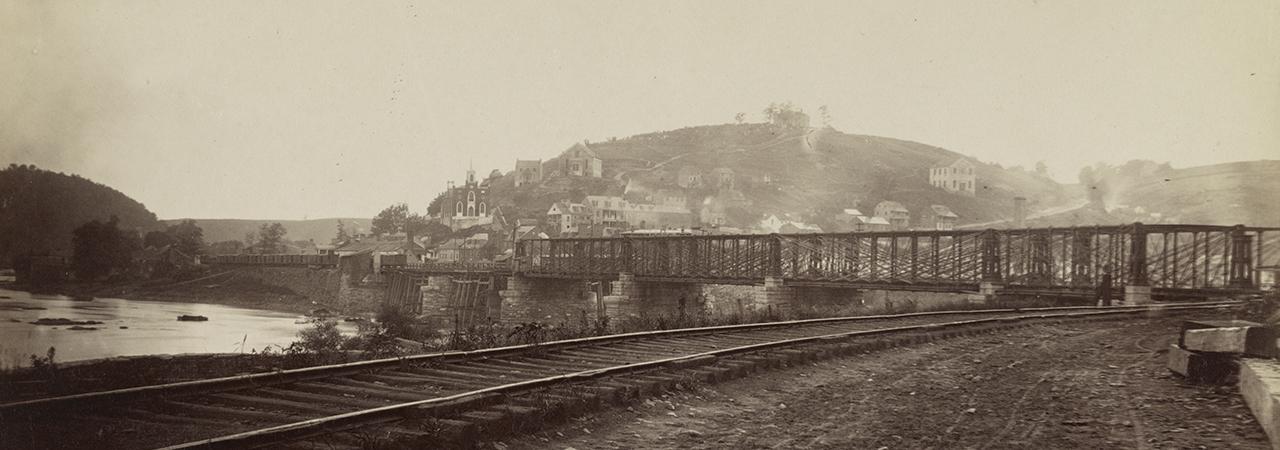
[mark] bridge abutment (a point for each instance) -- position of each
(630, 298)
(775, 295)
(549, 300)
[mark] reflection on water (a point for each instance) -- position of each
(135, 328)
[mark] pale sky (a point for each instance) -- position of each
(293, 109)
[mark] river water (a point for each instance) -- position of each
(135, 328)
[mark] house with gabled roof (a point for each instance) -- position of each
(938, 217)
(959, 177)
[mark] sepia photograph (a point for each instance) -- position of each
(604, 224)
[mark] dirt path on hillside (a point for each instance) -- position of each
(1100, 385)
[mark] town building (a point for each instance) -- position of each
(528, 172)
(581, 161)
(938, 217)
(853, 220)
(471, 249)
(798, 228)
(467, 205)
(689, 177)
(723, 177)
(568, 219)
(383, 249)
(771, 224)
(898, 216)
(958, 177)
(613, 214)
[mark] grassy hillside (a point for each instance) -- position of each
(319, 230)
(807, 172)
(1222, 194)
(39, 209)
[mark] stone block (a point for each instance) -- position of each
(1212, 368)
(1260, 387)
(1253, 341)
(1137, 295)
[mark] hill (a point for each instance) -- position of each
(318, 230)
(806, 172)
(39, 209)
(1222, 194)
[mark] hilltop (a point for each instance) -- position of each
(318, 230)
(806, 172)
(39, 209)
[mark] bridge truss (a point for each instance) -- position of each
(1172, 259)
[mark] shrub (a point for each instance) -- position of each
(322, 341)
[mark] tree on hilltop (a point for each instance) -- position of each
(786, 115)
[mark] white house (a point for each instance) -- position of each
(959, 177)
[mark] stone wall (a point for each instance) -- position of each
(630, 298)
(547, 300)
(337, 288)
(318, 285)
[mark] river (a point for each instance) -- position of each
(131, 327)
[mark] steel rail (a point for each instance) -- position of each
(224, 384)
(386, 414)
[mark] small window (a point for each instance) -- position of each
(471, 196)
(457, 210)
(483, 210)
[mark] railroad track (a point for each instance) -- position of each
(462, 389)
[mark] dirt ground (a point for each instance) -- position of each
(1074, 385)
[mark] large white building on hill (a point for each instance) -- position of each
(959, 177)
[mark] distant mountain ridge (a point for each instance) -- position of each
(319, 230)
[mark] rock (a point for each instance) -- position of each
(63, 321)
(691, 433)
(971, 411)
(190, 318)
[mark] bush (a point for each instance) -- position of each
(322, 341)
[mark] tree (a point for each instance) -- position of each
(101, 249)
(271, 238)
(1041, 168)
(341, 236)
(825, 115)
(436, 204)
(786, 115)
(415, 225)
(187, 236)
(740, 118)
(391, 219)
(157, 239)
(250, 241)
(226, 247)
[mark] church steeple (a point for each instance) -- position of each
(471, 172)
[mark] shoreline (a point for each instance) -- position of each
(235, 296)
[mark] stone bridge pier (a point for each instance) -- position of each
(558, 300)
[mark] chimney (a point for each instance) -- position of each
(1019, 212)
